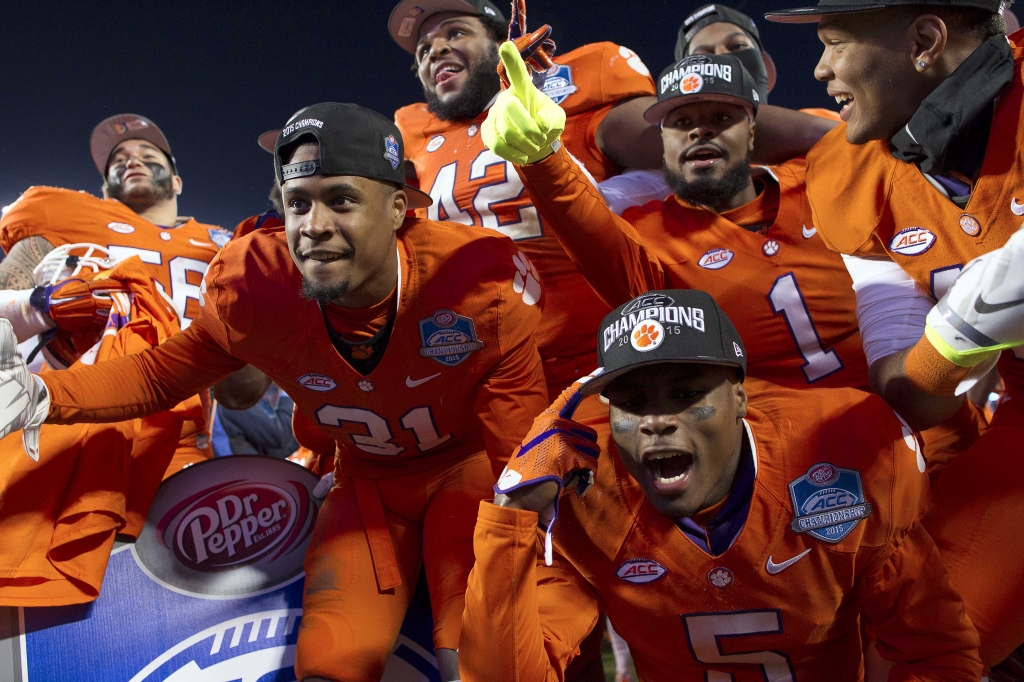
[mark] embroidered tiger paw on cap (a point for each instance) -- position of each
(353, 140)
(704, 77)
(674, 325)
(807, 15)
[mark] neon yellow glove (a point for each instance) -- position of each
(524, 124)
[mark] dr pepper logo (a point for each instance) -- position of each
(236, 523)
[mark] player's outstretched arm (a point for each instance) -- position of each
(523, 620)
(603, 246)
(139, 385)
(915, 615)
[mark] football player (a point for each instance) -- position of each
(743, 233)
(137, 216)
(598, 86)
(919, 181)
(727, 537)
(407, 341)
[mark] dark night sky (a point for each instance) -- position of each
(213, 75)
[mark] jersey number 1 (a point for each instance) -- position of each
(786, 298)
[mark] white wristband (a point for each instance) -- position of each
(26, 319)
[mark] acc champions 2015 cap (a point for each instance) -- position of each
(674, 325)
(708, 77)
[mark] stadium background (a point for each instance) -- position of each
(213, 75)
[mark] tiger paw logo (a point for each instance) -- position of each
(720, 577)
(365, 385)
(362, 352)
(647, 335)
(526, 280)
(692, 83)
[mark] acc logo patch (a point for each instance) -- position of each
(912, 241)
(435, 143)
(649, 301)
(716, 259)
(448, 338)
(558, 83)
(640, 571)
(691, 83)
(315, 381)
(828, 502)
(647, 335)
(391, 151)
(121, 228)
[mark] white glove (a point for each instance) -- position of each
(983, 312)
(324, 486)
(24, 400)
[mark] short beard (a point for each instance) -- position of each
(323, 293)
(707, 192)
(481, 86)
(141, 198)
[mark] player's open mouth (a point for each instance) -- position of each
(669, 470)
(703, 156)
(841, 98)
(446, 72)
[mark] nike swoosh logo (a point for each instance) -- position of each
(808, 233)
(1015, 208)
(413, 383)
(774, 568)
(985, 308)
(196, 242)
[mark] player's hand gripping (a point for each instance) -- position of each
(983, 312)
(78, 305)
(524, 124)
(535, 48)
(556, 453)
(24, 401)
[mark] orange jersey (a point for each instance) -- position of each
(460, 371)
(177, 256)
(473, 186)
(100, 478)
(831, 543)
(787, 294)
(889, 209)
(255, 222)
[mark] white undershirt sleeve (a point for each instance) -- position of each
(891, 306)
(634, 188)
(26, 319)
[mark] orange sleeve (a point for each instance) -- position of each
(915, 615)
(523, 620)
(139, 385)
(514, 392)
(604, 247)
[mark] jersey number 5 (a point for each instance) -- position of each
(704, 632)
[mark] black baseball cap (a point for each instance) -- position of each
(675, 325)
(760, 65)
(704, 77)
(353, 140)
(807, 15)
(407, 17)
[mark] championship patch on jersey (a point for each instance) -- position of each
(219, 236)
(828, 502)
(558, 83)
(448, 338)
